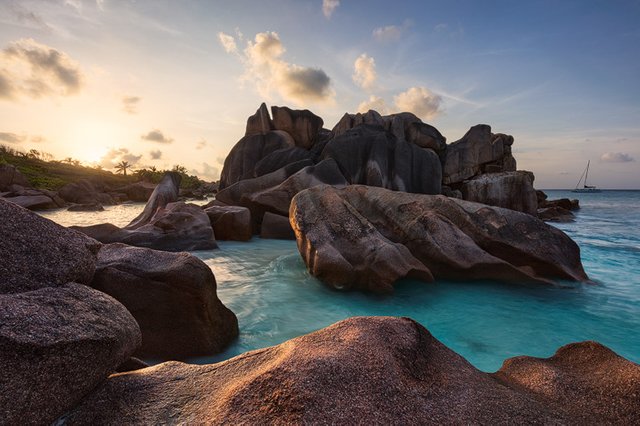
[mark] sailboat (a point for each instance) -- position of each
(585, 187)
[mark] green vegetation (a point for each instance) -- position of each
(46, 173)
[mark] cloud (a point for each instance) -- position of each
(130, 104)
(329, 6)
(265, 67)
(156, 155)
(228, 42)
(36, 70)
(12, 137)
(24, 17)
(391, 33)
(364, 71)
(201, 144)
(420, 101)
(375, 103)
(114, 156)
(616, 157)
(208, 172)
(37, 139)
(6, 88)
(156, 135)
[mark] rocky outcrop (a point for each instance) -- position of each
(369, 370)
(279, 159)
(368, 155)
(276, 227)
(366, 238)
(479, 151)
(302, 125)
(173, 298)
(84, 192)
(260, 122)
(57, 345)
(230, 222)
(511, 190)
(165, 192)
(138, 191)
(9, 176)
(556, 210)
(555, 214)
(37, 252)
(93, 207)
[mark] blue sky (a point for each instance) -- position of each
(160, 83)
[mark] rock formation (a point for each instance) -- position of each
(367, 238)
(371, 370)
(511, 190)
(230, 222)
(85, 192)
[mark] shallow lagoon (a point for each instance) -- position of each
(266, 284)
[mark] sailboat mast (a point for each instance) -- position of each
(586, 174)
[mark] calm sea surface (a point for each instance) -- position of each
(266, 284)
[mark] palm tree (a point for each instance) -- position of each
(123, 166)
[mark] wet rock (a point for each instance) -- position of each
(367, 238)
(36, 252)
(56, 346)
(511, 190)
(366, 370)
(276, 227)
(173, 298)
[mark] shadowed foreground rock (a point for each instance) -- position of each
(368, 370)
(368, 238)
(56, 345)
(171, 295)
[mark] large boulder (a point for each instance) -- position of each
(511, 190)
(36, 252)
(479, 151)
(10, 175)
(260, 122)
(230, 222)
(280, 158)
(369, 155)
(302, 125)
(244, 156)
(276, 227)
(165, 192)
(367, 238)
(84, 192)
(56, 346)
(365, 370)
(176, 227)
(173, 298)
(137, 191)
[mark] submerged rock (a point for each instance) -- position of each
(367, 238)
(171, 295)
(56, 346)
(369, 370)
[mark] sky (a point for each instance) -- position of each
(167, 82)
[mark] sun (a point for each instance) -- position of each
(90, 140)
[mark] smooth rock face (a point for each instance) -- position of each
(276, 227)
(511, 190)
(363, 370)
(171, 295)
(36, 252)
(165, 192)
(230, 222)
(280, 158)
(57, 345)
(302, 125)
(260, 122)
(367, 238)
(478, 151)
(368, 155)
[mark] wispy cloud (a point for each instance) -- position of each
(12, 137)
(156, 155)
(156, 135)
(375, 103)
(130, 104)
(201, 144)
(616, 157)
(329, 6)
(265, 67)
(364, 71)
(36, 70)
(228, 42)
(208, 172)
(390, 33)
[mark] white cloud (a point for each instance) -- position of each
(228, 42)
(364, 74)
(208, 172)
(329, 6)
(35, 70)
(156, 135)
(420, 101)
(265, 68)
(616, 157)
(388, 33)
(375, 103)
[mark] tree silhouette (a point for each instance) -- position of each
(123, 166)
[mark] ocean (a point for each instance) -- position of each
(266, 284)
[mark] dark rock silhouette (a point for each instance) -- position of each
(275, 226)
(230, 222)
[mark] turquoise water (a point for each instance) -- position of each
(266, 284)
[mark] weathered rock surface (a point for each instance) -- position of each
(57, 345)
(230, 222)
(84, 192)
(36, 252)
(9, 176)
(165, 192)
(479, 151)
(368, 155)
(260, 122)
(277, 227)
(173, 298)
(511, 190)
(280, 158)
(367, 238)
(302, 125)
(555, 214)
(138, 191)
(370, 370)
